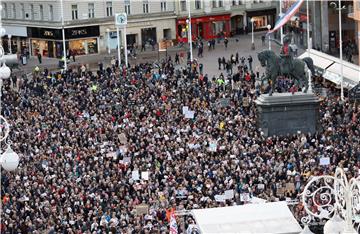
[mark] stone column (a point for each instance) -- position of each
(324, 26)
(316, 24)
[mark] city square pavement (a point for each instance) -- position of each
(240, 44)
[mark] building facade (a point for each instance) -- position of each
(220, 18)
(355, 15)
(324, 25)
(35, 26)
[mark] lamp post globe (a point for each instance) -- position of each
(5, 72)
(9, 160)
(334, 225)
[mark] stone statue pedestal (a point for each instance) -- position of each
(287, 113)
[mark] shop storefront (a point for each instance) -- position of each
(16, 37)
(261, 19)
(207, 27)
(48, 41)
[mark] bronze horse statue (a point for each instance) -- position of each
(296, 69)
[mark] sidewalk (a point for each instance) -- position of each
(240, 44)
(93, 60)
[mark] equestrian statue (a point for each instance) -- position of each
(285, 65)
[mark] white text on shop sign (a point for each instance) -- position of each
(79, 32)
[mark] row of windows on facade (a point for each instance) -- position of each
(12, 13)
(214, 3)
(74, 10)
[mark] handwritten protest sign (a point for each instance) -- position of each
(324, 161)
(145, 175)
(135, 175)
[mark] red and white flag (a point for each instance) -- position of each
(173, 224)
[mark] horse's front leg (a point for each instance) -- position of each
(273, 80)
(306, 82)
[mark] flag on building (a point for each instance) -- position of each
(173, 224)
(287, 16)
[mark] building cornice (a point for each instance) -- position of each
(88, 22)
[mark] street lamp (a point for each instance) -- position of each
(308, 44)
(252, 34)
(340, 8)
(9, 160)
(188, 21)
(269, 27)
(63, 34)
(281, 29)
(108, 40)
(334, 198)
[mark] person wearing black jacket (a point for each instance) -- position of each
(250, 60)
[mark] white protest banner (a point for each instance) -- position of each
(142, 209)
(135, 175)
(189, 114)
(145, 175)
(111, 155)
(245, 197)
(185, 109)
(220, 198)
(229, 194)
(123, 138)
(212, 146)
(127, 160)
(324, 161)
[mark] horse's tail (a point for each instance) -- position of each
(310, 64)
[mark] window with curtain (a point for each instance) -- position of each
(197, 4)
(32, 14)
(22, 10)
(183, 5)
(145, 6)
(51, 12)
(221, 3)
(74, 12)
(127, 7)
(214, 5)
(4, 10)
(163, 6)
(41, 12)
(91, 8)
(109, 11)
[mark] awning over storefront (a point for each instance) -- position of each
(15, 31)
(250, 218)
(330, 68)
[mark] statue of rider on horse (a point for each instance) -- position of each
(285, 65)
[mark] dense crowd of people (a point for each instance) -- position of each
(114, 151)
